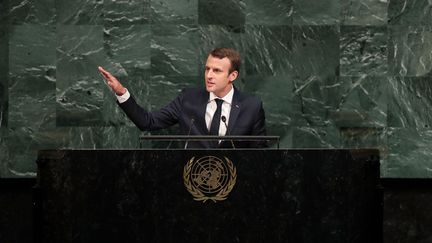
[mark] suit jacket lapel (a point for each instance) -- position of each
(235, 110)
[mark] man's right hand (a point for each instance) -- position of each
(112, 81)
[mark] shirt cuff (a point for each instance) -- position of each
(124, 97)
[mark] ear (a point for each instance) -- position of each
(232, 76)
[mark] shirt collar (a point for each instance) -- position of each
(227, 98)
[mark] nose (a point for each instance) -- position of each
(210, 73)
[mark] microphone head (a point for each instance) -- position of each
(223, 118)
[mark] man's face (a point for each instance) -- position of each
(217, 77)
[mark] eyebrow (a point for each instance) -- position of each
(215, 68)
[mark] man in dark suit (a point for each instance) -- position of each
(220, 109)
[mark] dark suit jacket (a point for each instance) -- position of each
(188, 109)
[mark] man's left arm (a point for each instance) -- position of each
(259, 128)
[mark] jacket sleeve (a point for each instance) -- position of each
(259, 128)
(153, 120)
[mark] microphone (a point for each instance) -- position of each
(223, 118)
(190, 129)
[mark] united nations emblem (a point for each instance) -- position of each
(209, 178)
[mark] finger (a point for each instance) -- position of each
(104, 72)
(101, 70)
(108, 75)
(111, 80)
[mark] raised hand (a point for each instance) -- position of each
(113, 82)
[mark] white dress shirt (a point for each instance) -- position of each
(226, 109)
(122, 98)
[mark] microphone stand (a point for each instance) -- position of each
(190, 128)
(223, 118)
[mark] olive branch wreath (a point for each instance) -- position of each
(198, 195)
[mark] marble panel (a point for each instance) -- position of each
(269, 12)
(174, 50)
(409, 51)
(316, 137)
(311, 12)
(80, 87)
(410, 102)
(128, 46)
(79, 12)
(174, 11)
(224, 12)
(316, 51)
(313, 101)
(359, 102)
(409, 153)
(32, 76)
(409, 12)
(363, 51)
(4, 74)
(268, 50)
(364, 12)
(41, 12)
(4, 8)
(125, 12)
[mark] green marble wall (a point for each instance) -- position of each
(331, 73)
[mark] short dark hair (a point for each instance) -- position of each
(231, 54)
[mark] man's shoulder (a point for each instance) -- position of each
(194, 90)
(194, 94)
(247, 97)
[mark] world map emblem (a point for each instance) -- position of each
(209, 178)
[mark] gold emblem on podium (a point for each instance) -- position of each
(209, 178)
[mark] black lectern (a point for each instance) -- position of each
(208, 196)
